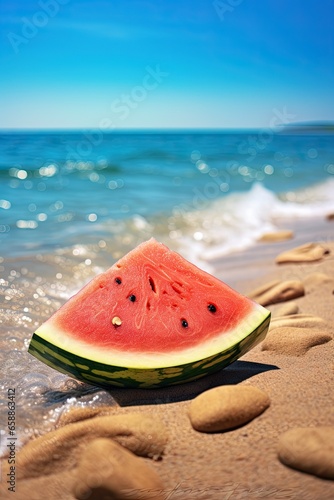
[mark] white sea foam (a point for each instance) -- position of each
(237, 221)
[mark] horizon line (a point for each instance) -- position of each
(287, 126)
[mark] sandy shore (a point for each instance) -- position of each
(243, 463)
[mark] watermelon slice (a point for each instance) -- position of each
(153, 319)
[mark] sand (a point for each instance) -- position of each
(243, 462)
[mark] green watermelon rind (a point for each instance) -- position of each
(106, 375)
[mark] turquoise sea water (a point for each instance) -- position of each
(73, 203)
(212, 191)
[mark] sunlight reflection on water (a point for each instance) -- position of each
(29, 297)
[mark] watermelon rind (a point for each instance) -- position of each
(107, 368)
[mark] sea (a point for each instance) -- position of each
(73, 202)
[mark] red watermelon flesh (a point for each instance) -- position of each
(151, 300)
(152, 320)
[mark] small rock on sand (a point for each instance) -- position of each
(309, 449)
(305, 253)
(227, 407)
(294, 335)
(277, 291)
(272, 237)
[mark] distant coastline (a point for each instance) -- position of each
(309, 127)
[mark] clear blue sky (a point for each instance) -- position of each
(158, 63)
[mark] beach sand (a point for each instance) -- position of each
(242, 463)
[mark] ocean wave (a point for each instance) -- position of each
(238, 220)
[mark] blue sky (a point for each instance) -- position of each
(169, 64)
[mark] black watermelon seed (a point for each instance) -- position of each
(212, 308)
(184, 323)
(118, 281)
(132, 298)
(152, 284)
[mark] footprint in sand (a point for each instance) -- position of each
(116, 473)
(58, 453)
(58, 449)
(295, 334)
(277, 291)
(309, 252)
